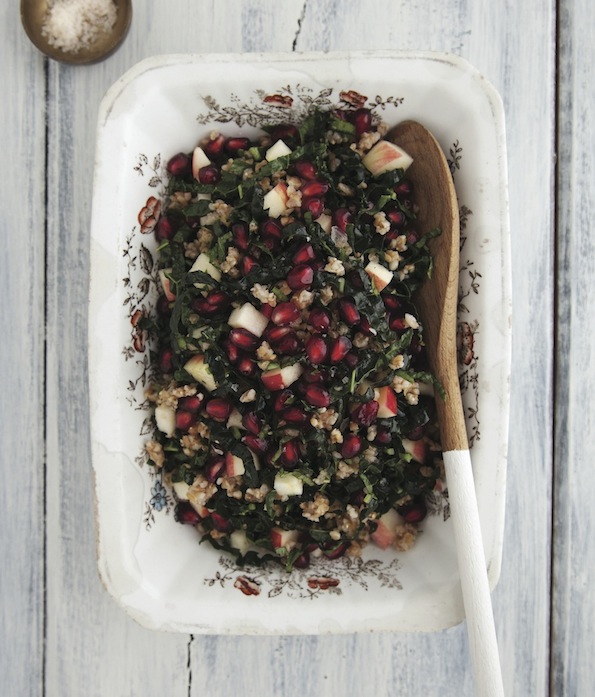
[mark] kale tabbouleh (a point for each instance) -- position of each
(293, 415)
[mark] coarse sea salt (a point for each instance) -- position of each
(75, 25)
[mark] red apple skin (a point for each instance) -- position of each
(387, 399)
(273, 381)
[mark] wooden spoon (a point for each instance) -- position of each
(437, 302)
(33, 13)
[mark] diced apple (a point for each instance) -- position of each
(278, 149)
(181, 490)
(199, 160)
(166, 284)
(380, 275)
(235, 420)
(248, 317)
(234, 465)
(165, 419)
(326, 222)
(200, 371)
(286, 539)
(280, 378)
(385, 533)
(386, 156)
(387, 402)
(239, 540)
(287, 484)
(275, 200)
(418, 449)
(203, 263)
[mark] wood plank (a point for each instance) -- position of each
(91, 643)
(573, 619)
(493, 38)
(22, 362)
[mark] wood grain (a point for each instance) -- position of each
(91, 646)
(573, 601)
(22, 216)
(437, 299)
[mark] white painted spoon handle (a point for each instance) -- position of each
(483, 644)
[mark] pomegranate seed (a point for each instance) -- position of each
(166, 360)
(340, 347)
(251, 422)
(209, 174)
(355, 280)
(258, 445)
(357, 498)
(412, 236)
(286, 132)
(239, 233)
(314, 188)
(165, 228)
(352, 445)
(243, 339)
(302, 562)
(247, 263)
(365, 327)
(403, 188)
(271, 228)
(314, 206)
(417, 433)
(285, 313)
(414, 512)
(342, 217)
(316, 349)
(186, 514)
(290, 454)
(220, 523)
(391, 302)
(289, 345)
(214, 468)
(247, 367)
(215, 302)
(396, 322)
(192, 403)
(282, 399)
(234, 145)
(397, 217)
(312, 376)
(233, 352)
(305, 169)
(163, 308)
(214, 148)
(267, 310)
(365, 414)
(300, 277)
(275, 334)
(218, 408)
(351, 360)
(185, 419)
(317, 396)
(362, 120)
(336, 551)
(383, 436)
(304, 254)
(218, 299)
(348, 311)
(294, 415)
(180, 165)
(319, 319)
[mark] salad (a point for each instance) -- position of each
(293, 409)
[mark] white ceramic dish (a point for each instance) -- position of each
(150, 564)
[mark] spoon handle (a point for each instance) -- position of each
(481, 631)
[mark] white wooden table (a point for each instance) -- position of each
(60, 633)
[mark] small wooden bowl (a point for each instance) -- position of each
(33, 13)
